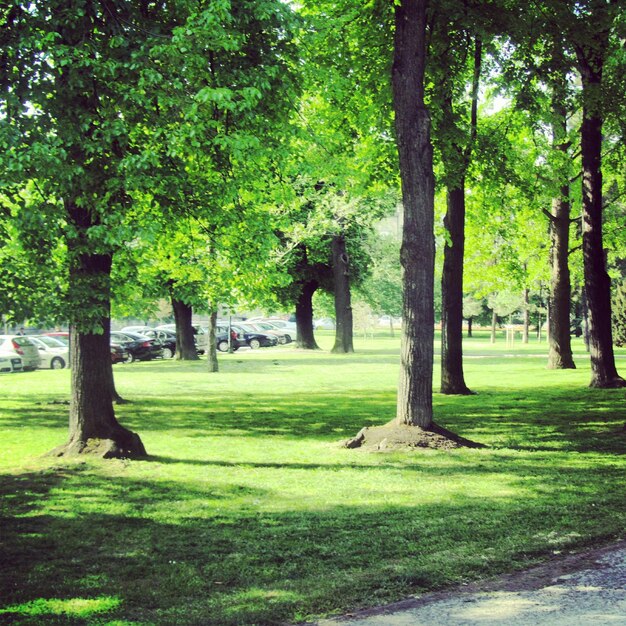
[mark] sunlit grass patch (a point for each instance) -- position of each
(73, 607)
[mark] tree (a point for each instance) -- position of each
(82, 91)
(588, 30)
(592, 49)
(418, 242)
(455, 131)
(67, 78)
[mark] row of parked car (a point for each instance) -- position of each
(141, 343)
(254, 334)
(19, 353)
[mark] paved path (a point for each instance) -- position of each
(585, 589)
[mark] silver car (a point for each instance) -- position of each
(10, 362)
(53, 352)
(22, 347)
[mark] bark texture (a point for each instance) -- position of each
(560, 344)
(305, 336)
(211, 352)
(452, 376)
(559, 339)
(597, 281)
(417, 256)
(343, 305)
(185, 343)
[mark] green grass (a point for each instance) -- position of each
(249, 512)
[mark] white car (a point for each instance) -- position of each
(284, 325)
(10, 362)
(135, 329)
(54, 354)
(23, 347)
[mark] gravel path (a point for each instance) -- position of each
(584, 589)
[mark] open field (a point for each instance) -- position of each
(248, 511)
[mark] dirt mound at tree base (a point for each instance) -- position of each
(398, 436)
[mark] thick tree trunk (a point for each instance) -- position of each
(343, 305)
(185, 344)
(211, 351)
(305, 336)
(469, 326)
(93, 426)
(452, 378)
(494, 323)
(560, 345)
(412, 122)
(597, 281)
(559, 339)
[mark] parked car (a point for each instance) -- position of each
(267, 328)
(167, 339)
(53, 352)
(60, 335)
(135, 329)
(10, 362)
(287, 326)
(118, 354)
(22, 347)
(252, 338)
(200, 336)
(221, 338)
(139, 347)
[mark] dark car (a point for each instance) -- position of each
(167, 339)
(252, 338)
(139, 347)
(221, 339)
(118, 354)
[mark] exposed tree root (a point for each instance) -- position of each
(609, 383)
(397, 436)
(129, 446)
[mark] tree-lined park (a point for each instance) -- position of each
(241, 155)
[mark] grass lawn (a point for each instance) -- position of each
(249, 512)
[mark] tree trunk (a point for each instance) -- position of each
(93, 426)
(106, 324)
(597, 281)
(305, 337)
(469, 326)
(526, 331)
(559, 339)
(211, 351)
(343, 306)
(456, 161)
(185, 344)
(494, 322)
(560, 345)
(417, 256)
(452, 378)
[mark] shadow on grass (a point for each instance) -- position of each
(176, 553)
(546, 418)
